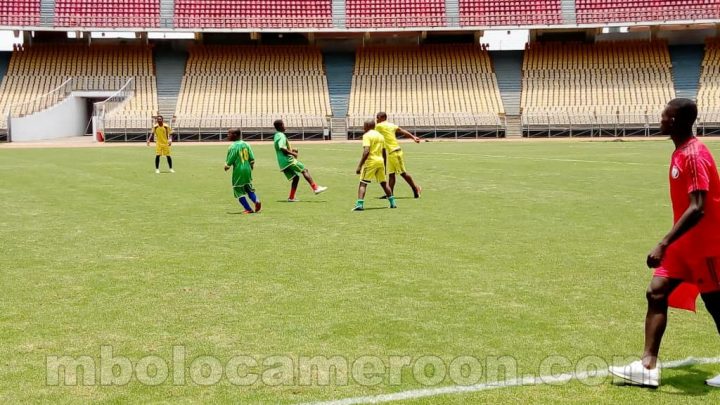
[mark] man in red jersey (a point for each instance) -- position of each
(687, 259)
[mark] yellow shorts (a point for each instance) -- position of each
(396, 162)
(162, 150)
(373, 171)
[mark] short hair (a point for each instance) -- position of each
(381, 115)
(686, 111)
(234, 131)
(160, 116)
(370, 124)
(278, 124)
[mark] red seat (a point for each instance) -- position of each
(253, 13)
(500, 12)
(19, 12)
(605, 11)
(395, 13)
(107, 13)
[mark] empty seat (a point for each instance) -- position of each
(107, 13)
(253, 13)
(606, 11)
(19, 12)
(395, 13)
(502, 12)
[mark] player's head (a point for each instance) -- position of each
(159, 119)
(279, 125)
(368, 125)
(233, 134)
(678, 118)
(381, 116)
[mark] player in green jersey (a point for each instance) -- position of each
(241, 159)
(289, 165)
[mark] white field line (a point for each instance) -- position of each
(518, 382)
(539, 159)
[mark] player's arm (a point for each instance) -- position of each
(170, 134)
(251, 158)
(366, 153)
(150, 136)
(691, 217)
(284, 149)
(407, 134)
(230, 159)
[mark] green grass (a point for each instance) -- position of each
(515, 249)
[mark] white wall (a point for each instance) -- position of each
(66, 119)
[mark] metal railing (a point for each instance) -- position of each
(101, 109)
(562, 123)
(446, 125)
(41, 102)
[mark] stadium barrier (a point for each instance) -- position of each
(37, 104)
(450, 126)
(558, 123)
(709, 123)
(103, 109)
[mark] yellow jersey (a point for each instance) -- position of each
(162, 134)
(373, 140)
(387, 129)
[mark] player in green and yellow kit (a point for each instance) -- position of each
(372, 165)
(241, 159)
(289, 165)
(395, 157)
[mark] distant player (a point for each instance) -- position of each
(163, 140)
(372, 165)
(687, 259)
(289, 165)
(395, 156)
(241, 159)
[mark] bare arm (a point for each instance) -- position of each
(366, 153)
(407, 134)
(289, 152)
(691, 217)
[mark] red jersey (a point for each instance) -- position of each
(693, 168)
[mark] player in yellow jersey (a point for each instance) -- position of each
(395, 157)
(162, 133)
(372, 165)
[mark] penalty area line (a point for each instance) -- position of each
(517, 382)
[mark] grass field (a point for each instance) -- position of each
(522, 250)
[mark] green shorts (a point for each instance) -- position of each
(294, 170)
(241, 190)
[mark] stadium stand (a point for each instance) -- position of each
(434, 84)
(107, 13)
(395, 13)
(19, 12)
(253, 13)
(501, 12)
(239, 85)
(603, 83)
(606, 11)
(38, 69)
(709, 91)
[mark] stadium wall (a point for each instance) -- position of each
(67, 118)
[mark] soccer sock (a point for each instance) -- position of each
(253, 197)
(245, 204)
(391, 199)
(157, 162)
(169, 159)
(313, 186)
(360, 203)
(292, 193)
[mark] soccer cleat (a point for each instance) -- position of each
(248, 212)
(418, 192)
(358, 208)
(320, 189)
(258, 205)
(172, 171)
(157, 171)
(714, 382)
(293, 199)
(636, 374)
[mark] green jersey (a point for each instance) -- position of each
(240, 156)
(281, 142)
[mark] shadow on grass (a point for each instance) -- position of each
(398, 198)
(302, 201)
(240, 213)
(690, 381)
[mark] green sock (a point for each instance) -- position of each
(392, 200)
(360, 203)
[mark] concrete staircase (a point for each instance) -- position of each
(452, 11)
(686, 69)
(514, 127)
(339, 71)
(338, 13)
(169, 71)
(167, 13)
(47, 13)
(508, 69)
(567, 8)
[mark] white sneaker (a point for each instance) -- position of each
(157, 171)
(293, 200)
(172, 171)
(714, 382)
(320, 189)
(636, 374)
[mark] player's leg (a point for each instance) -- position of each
(169, 161)
(657, 296)
(157, 163)
(362, 189)
(293, 188)
(253, 197)
(398, 167)
(391, 182)
(712, 303)
(245, 204)
(316, 189)
(388, 194)
(415, 188)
